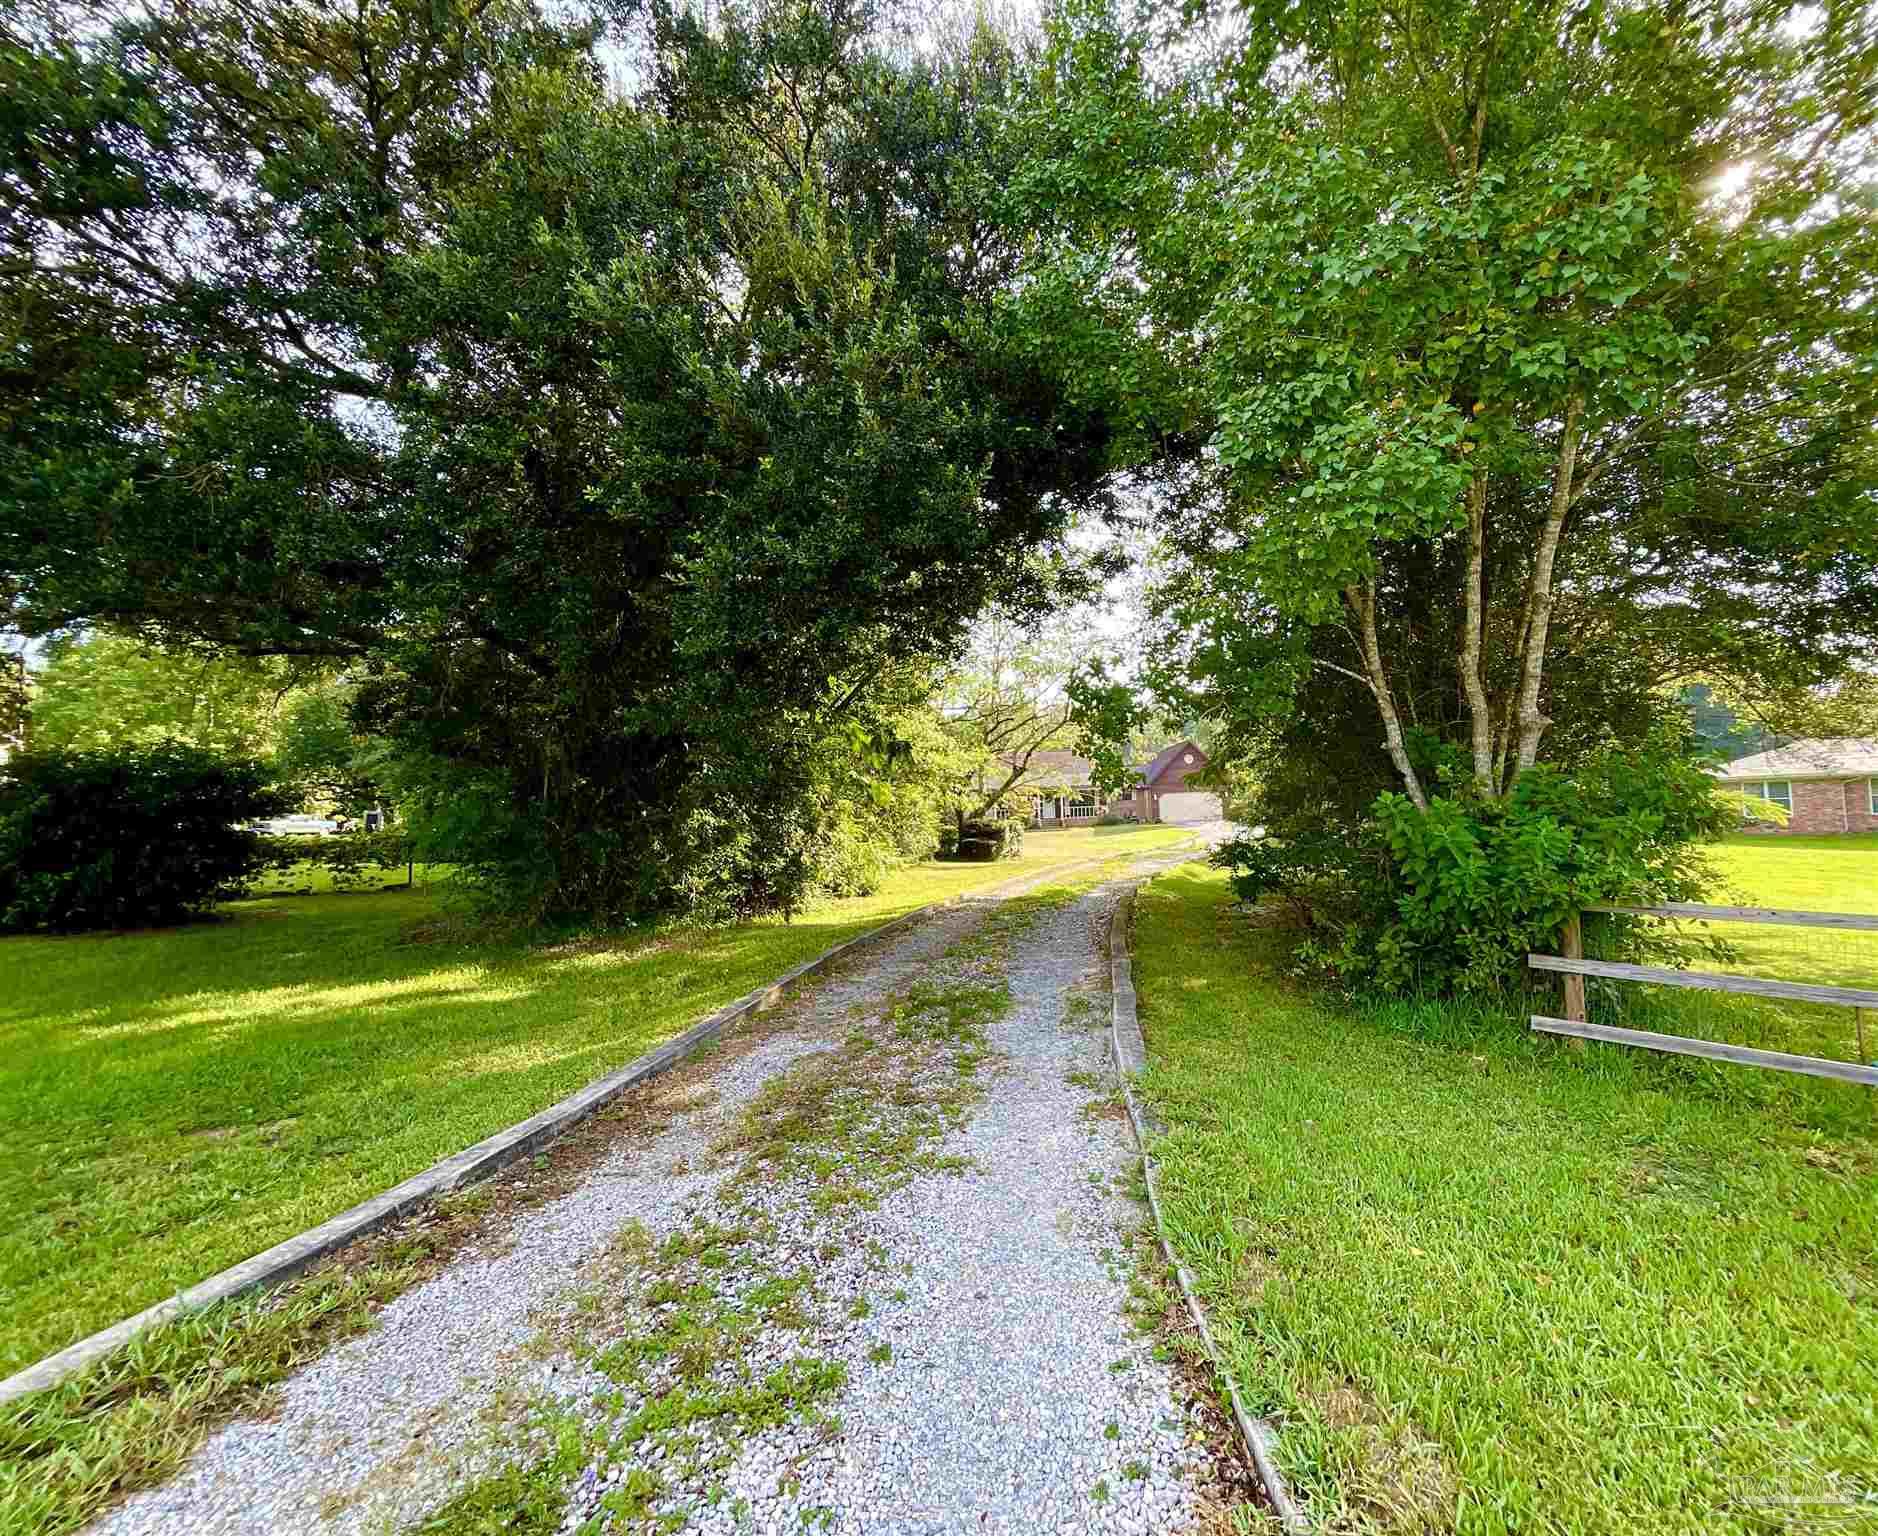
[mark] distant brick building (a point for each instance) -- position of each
(1828, 784)
(1060, 791)
(1163, 793)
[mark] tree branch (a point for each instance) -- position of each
(1532, 723)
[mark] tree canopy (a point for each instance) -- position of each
(1518, 356)
(105, 690)
(617, 440)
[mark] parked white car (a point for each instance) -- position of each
(297, 826)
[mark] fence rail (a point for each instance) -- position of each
(1689, 909)
(1573, 967)
(1682, 1045)
(1709, 981)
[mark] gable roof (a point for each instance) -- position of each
(1049, 765)
(1818, 757)
(1163, 759)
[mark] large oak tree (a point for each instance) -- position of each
(614, 434)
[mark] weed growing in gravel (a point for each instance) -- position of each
(132, 1419)
(702, 1362)
(856, 1123)
(529, 1498)
(1082, 1008)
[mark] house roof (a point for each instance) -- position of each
(1050, 766)
(1819, 757)
(1158, 764)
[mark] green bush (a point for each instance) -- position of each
(1453, 898)
(831, 816)
(985, 840)
(127, 837)
(350, 857)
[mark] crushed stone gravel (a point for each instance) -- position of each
(967, 1304)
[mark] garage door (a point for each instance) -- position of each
(1189, 805)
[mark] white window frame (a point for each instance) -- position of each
(1871, 796)
(1760, 788)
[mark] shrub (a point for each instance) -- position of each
(349, 857)
(1453, 898)
(1316, 873)
(134, 835)
(985, 840)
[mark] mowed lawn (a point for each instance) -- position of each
(1805, 874)
(178, 1099)
(1486, 1283)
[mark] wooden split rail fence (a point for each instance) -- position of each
(1573, 966)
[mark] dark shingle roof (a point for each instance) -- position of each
(1157, 765)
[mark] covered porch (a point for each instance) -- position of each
(1075, 805)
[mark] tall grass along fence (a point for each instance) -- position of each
(1862, 1000)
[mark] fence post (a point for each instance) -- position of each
(1571, 945)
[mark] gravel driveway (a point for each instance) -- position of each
(872, 1275)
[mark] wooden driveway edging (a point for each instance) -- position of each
(294, 1256)
(1131, 1056)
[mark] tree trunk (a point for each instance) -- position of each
(1479, 707)
(1532, 724)
(1362, 601)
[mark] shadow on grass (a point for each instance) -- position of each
(178, 1099)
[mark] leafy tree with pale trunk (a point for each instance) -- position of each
(1005, 702)
(104, 690)
(1496, 321)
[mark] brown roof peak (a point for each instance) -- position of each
(1163, 759)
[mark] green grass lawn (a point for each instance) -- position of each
(1808, 874)
(1487, 1283)
(317, 880)
(175, 1100)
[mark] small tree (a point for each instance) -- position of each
(1006, 702)
(125, 838)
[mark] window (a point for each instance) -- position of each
(1780, 791)
(1871, 796)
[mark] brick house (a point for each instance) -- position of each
(1058, 788)
(1163, 793)
(1828, 784)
